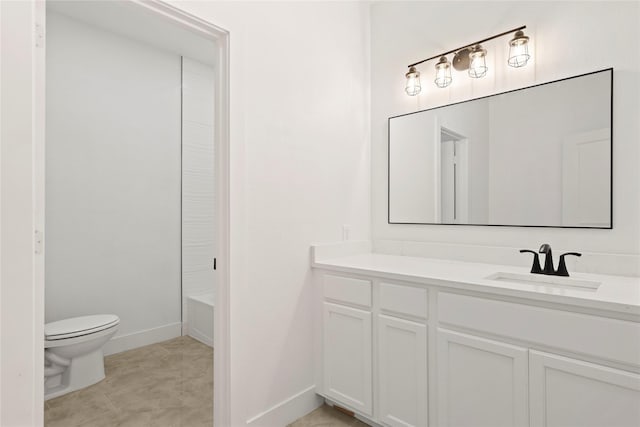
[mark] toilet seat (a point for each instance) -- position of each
(79, 326)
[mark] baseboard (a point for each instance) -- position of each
(203, 338)
(289, 410)
(122, 343)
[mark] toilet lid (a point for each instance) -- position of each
(77, 326)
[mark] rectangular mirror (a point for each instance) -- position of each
(537, 157)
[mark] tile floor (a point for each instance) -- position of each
(326, 416)
(169, 384)
(162, 385)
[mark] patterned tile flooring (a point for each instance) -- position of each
(169, 384)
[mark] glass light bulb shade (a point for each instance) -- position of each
(443, 73)
(478, 65)
(518, 50)
(413, 87)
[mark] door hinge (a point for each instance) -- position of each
(39, 35)
(214, 263)
(37, 242)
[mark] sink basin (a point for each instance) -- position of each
(543, 280)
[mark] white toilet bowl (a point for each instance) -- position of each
(73, 352)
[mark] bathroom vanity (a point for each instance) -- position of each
(404, 341)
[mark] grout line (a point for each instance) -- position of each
(113, 405)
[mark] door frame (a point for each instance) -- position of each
(570, 144)
(220, 36)
(463, 156)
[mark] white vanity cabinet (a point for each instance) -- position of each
(347, 342)
(402, 372)
(397, 360)
(570, 392)
(430, 353)
(498, 383)
(402, 355)
(481, 382)
(347, 356)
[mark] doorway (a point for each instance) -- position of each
(122, 12)
(454, 172)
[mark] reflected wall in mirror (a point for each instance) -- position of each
(538, 156)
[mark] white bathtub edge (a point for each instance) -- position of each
(199, 315)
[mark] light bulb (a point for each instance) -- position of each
(478, 65)
(518, 50)
(443, 73)
(413, 86)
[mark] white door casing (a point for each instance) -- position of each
(22, 29)
(31, 17)
(451, 176)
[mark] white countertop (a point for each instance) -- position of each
(615, 293)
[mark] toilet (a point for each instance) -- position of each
(73, 352)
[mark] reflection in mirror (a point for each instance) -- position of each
(539, 156)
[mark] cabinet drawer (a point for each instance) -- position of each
(403, 299)
(347, 289)
(602, 337)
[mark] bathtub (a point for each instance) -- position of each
(200, 318)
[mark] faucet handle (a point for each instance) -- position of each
(535, 268)
(562, 266)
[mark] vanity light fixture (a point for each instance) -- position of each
(471, 57)
(413, 82)
(477, 62)
(518, 50)
(443, 72)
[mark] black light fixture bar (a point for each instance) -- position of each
(468, 45)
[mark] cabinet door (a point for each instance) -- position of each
(568, 392)
(481, 382)
(347, 356)
(402, 369)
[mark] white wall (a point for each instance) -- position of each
(21, 303)
(112, 181)
(198, 222)
(299, 170)
(415, 161)
(519, 193)
(412, 164)
(564, 43)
